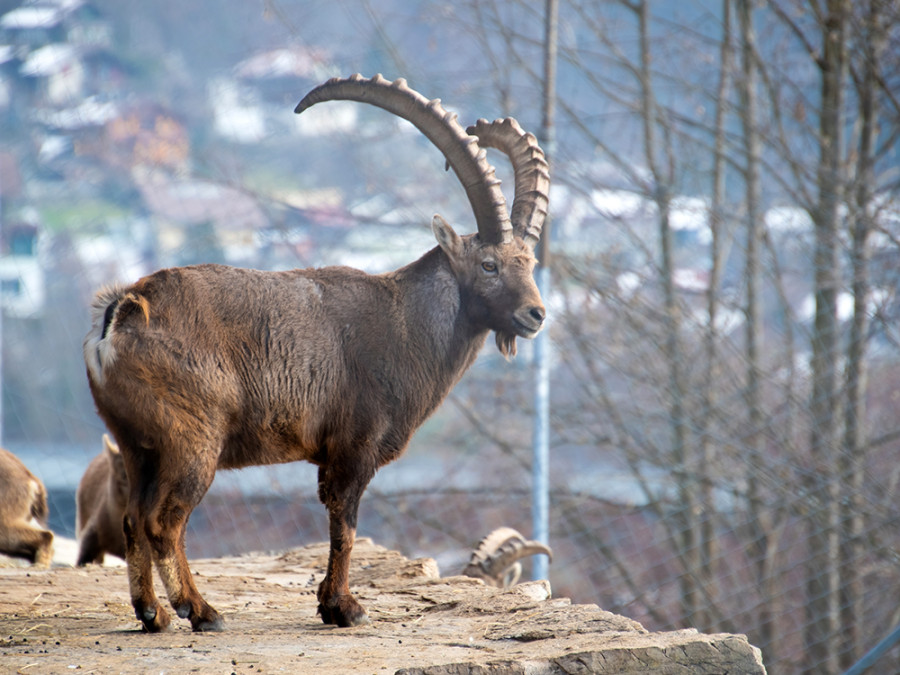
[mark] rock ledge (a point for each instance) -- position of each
(421, 624)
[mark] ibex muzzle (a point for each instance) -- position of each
(205, 367)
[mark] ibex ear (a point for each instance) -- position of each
(446, 237)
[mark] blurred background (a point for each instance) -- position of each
(723, 335)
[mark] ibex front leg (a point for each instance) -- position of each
(340, 494)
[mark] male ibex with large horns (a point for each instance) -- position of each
(199, 368)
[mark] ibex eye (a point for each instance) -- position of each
(489, 266)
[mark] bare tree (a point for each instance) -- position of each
(851, 468)
(759, 530)
(822, 578)
(717, 225)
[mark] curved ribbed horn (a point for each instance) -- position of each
(498, 552)
(461, 150)
(529, 209)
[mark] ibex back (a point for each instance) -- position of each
(199, 368)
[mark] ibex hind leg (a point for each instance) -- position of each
(143, 479)
(140, 572)
(89, 549)
(154, 522)
(175, 507)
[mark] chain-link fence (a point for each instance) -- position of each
(724, 350)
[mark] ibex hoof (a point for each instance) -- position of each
(344, 612)
(209, 625)
(154, 619)
(205, 621)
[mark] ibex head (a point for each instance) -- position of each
(496, 559)
(495, 266)
(498, 280)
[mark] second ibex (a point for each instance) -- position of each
(208, 367)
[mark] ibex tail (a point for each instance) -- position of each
(109, 305)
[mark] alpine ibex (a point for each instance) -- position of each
(210, 367)
(23, 513)
(496, 558)
(100, 506)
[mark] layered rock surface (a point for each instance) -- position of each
(66, 619)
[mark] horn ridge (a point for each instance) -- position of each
(531, 170)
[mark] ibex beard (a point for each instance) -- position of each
(210, 367)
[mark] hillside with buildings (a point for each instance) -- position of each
(724, 302)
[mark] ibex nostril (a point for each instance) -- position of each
(538, 314)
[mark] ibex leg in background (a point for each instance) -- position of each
(100, 506)
(23, 513)
(28, 541)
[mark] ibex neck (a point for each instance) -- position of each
(435, 305)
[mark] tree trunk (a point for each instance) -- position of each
(709, 402)
(687, 522)
(822, 578)
(758, 525)
(852, 462)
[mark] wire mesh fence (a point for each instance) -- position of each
(724, 415)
